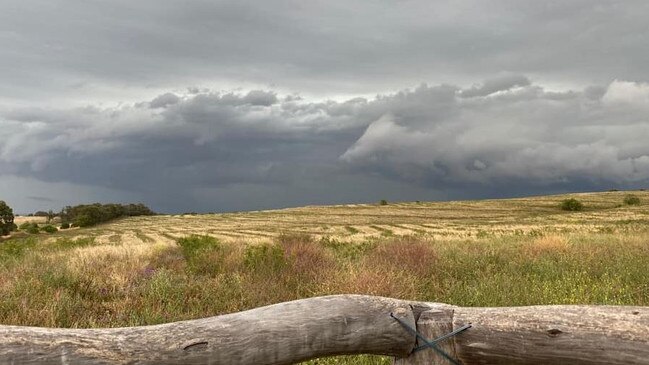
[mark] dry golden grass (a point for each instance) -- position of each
(552, 244)
(409, 252)
(374, 280)
(458, 220)
(24, 219)
(113, 264)
(138, 271)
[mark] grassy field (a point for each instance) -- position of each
(149, 270)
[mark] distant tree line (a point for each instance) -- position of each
(90, 214)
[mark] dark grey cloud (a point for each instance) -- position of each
(219, 105)
(205, 140)
(198, 149)
(75, 50)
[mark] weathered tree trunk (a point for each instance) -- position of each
(554, 335)
(283, 333)
(290, 332)
(577, 335)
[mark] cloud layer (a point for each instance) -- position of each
(510, 132)
(76, 50)
(202, 148)
(222, 105)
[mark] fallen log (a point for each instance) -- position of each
(284, 333)
(291, 332)
(562, 334)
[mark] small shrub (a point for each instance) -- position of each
(169, 258)
(307, 258)
(383, 202)
(264, 258)
(404, 253)
(25, 225)
(195, 244)
(204, 254)
(32, 230)
(49, 229)
(572, 205)
(29, 227)
(65, 225)
(631, 199)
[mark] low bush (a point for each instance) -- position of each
(195, 244)
(48, 229)
(204, 254)
(383, 202)
(25, 225)
(404, 253)
(572, 205)
(29, 227)
(631, 199)
(264, 258)
(306, 259)
(65, 225)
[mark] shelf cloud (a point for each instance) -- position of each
(508, 135)
(213, 106)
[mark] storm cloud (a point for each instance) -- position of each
(229, 105)
(519, 135)
(72, 51)
(500, 133)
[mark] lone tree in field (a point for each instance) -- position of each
(50, 215)
(6, 219)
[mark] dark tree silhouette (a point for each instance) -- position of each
(6, 219)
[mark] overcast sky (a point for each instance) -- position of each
(241, 105)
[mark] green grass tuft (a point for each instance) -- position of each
(572, 205)
(631, 199)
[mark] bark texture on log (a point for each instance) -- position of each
(283, 333)
(291, 332)
(577, 335)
